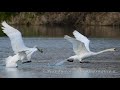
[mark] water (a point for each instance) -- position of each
(60, 31)
(56, 49)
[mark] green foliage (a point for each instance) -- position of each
(4, 16)
(7, 15)
(1, 33)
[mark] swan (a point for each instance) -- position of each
(18, 46)
(81, 47)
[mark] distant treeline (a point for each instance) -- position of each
(61, 18)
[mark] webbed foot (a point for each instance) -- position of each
(84, 62)
(26, 62)
(70, 60)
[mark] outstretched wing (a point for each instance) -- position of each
(82, 38)
(78, 46)
(15, 37)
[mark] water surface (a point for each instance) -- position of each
(56, 49)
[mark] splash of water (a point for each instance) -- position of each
(60, 63)
(11, 61)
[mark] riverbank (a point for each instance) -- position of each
(62, 18)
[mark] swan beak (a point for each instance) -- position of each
(114, 49)
(40, 50)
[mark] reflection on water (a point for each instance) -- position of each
(80, 73)
(101, 31)
(60, 31)
(12, 72)
(16, 73)
(90, 73)
(44, 31)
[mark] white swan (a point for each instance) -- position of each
(20, 50)
(81, 47)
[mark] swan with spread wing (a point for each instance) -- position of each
(81, 47)
(18, 46)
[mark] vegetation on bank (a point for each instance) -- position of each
(61, 18)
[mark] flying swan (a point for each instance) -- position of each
(20, 50)
(81, 47)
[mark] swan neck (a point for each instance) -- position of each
(103, 51)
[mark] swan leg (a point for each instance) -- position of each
(70, 60)
(84, 62)
(26, 61)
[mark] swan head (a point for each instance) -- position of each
(112, 49)
(40, 50)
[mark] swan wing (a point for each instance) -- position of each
(78, 46)
(82, 38)
(15, 37)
